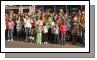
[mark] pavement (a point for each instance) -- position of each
(24, 44)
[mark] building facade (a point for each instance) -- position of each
(20, 8)
(43, 8)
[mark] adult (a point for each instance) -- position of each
(82, 26)
(18, 27)
(75, 29)
(27, 25)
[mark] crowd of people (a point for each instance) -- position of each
(46, 27)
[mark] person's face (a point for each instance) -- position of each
(83, 13)
(60, 14)
(19, 12)
(66, 15)
(80, 13)
(75, 18)
(69, 16)
(13, 14)
(43, 14)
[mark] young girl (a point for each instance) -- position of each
(56, 34)
(10, 29)
(45, 33)
(63, 30)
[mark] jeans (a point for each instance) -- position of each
(10, 34)
(22, 33)
(68, 37)
(45, 37)
(27, 31)
(56, 38)
(49, 35)
(82, 35)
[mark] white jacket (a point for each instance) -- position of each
(27, 23)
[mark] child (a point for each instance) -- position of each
(56, 34)
(10, 29)
(32, 37)
(63, 30)
(45, 33)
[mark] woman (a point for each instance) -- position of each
(39, 22)
(27, 25)
(81, 18)
(49, 21)
(75, 29)
(39, 34)
(62, 14)
(18, 27)
(58, 20)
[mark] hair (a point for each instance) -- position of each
(44, 24)
(40, 17)
(48, 16)
(58, 17)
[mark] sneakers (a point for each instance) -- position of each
(11, 39)
(26, 37)
(45, 42)
(8, 40)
